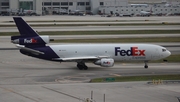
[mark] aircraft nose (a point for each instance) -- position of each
(168, 53)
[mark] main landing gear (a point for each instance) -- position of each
(82, 66)
(146, 65)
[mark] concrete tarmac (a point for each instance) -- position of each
(69, 23)
(114, 92)
(95, 17)
(94, 28)
(26, 79)
(7, 38)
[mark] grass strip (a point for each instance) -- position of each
(103, 32)
(137, 78)
(108, 24)
(121, 40)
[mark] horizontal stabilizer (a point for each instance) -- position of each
(29, 50)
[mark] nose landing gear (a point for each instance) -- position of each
(146, 65)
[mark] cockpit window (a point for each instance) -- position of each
(163, 50)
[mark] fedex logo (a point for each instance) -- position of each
(30, 40)
(133, 51)
(106, 62)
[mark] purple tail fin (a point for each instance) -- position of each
(28, 36)
(24, 28)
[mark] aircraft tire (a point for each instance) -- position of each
(85, 68)
(80, 67)
(146, 66)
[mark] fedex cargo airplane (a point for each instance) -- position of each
(32, 44)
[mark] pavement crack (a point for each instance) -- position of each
(12, 91)
(63, 93)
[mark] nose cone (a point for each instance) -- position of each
(168, 53)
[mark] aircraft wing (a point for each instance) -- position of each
(36, 52)
(80, 58)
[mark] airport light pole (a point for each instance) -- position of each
(104, 99)
(91, 95)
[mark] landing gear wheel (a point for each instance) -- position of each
(82, 66)
(85, 68)
(146, 65)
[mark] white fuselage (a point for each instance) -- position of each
(118, 52)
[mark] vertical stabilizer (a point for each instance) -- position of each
(24, 28)
(28, 36)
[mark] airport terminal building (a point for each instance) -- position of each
(94, 6)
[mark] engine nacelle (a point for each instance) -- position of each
(105, 62)
(38, 40)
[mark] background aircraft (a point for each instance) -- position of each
(146, 13)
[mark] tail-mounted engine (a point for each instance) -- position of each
(37, 40)
(105, 62)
